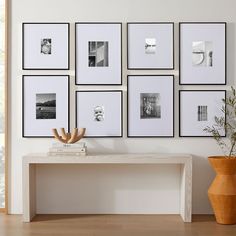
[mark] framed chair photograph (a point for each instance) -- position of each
(45, 46)
(197, 110)
(46, 105)
(100, 112)
(98, 53)
(150, 107)
(150, 45)
(202, 57)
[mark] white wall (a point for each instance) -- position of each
(113, 198)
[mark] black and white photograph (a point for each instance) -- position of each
(150, 107)
(98, 54)
(202, 54)
(202, 113)
(150, 46)
(45, 106)
(99, 113)
(198, 109)
(46, 46)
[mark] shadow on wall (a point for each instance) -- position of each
(114, 144)
(203, 175)
(230, 53)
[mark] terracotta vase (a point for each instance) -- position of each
(222, 192)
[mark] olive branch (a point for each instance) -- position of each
(227, 124)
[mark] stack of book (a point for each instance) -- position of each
(62, 149)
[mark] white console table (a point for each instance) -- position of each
(31, 160)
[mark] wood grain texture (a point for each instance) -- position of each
(30, 161)
(113, 225)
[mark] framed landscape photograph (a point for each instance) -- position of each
(150, 106)
(98, 53)
(202, 53)
(45, 46)
(150, 45)
(45, 104)
(100, 112)
(197, 110)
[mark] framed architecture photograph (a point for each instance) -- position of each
(202, 57)
(150, 107)
(197, 110)
(45, 104)
(150, 45)
(98, 54)
(45, 46)
(100, 112)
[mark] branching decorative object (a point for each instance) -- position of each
(73, 137)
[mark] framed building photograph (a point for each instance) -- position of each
(98, 53)
(150, 45)
(202, 57)
(100, 112)
(45, 104)
(150, 107)
(45, 46)
(197, 110)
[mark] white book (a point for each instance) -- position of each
(66, 154)
(84, 149)
(69, 145)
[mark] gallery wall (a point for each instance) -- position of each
(136, 190)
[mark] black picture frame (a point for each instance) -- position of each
(24, 67)
(225, 54)
(180, 113)
(173, 108)
(23, 105)
(121, 112)
(151, 68)
(76, 55)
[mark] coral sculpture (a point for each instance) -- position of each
(73, 137)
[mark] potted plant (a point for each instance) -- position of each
(222, 192)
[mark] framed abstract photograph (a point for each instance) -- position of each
(98, 54)
(202, 53)
(45, 104)
(100, 112)
(150, 106)
(45, 46)
(197, 110)
(150, 45)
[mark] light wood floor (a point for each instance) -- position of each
(113, 225)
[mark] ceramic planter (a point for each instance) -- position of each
(222, 192)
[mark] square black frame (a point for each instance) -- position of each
(171, 136)
(23, 107)
(121, 102)
(23, 45)
(147, 23)
(76, 59)
(225, 78)
(198, 90)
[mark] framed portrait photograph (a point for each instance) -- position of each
(202, 57)
(100, 112)
(150, 45)
(45, 46)
(197, 110)
(150, 106)
(98, 54)
(45, 104)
